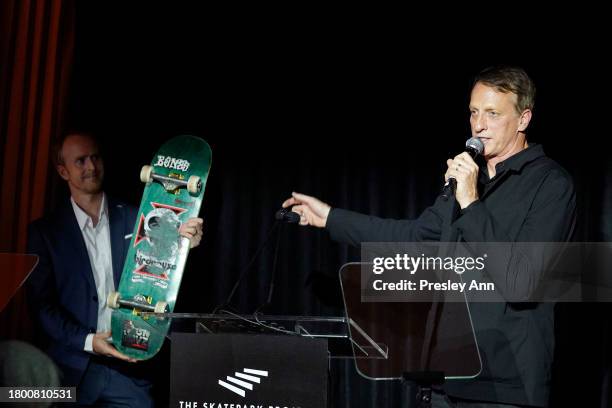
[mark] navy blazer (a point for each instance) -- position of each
(61, 289)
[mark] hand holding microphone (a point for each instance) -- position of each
(462, 174)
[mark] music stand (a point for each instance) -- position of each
(16, 269)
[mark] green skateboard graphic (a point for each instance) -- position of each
(153, 268)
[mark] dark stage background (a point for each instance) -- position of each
(362, 118)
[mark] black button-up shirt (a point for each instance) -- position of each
(531, 198)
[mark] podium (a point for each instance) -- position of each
(424, 342)
(283, 361)
(253, 360)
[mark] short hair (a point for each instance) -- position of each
(57, 157)
(509, 79)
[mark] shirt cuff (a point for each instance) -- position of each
(89, 343)
(333, 224)
(470, 221)
(329, 216)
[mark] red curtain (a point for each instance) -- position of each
(36, 52)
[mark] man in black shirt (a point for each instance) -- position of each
(519, 195)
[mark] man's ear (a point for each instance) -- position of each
(524, 120)
(61, 170)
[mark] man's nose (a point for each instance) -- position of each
(90, 164)
(480, 123)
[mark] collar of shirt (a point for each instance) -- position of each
(83, 219)
(515, 162)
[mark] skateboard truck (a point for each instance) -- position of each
(193, 184)
(114, 301)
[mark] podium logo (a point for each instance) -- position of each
(248, 377)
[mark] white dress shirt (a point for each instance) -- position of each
(98, 243)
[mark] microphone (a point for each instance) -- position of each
(474, 147)
(287, 216)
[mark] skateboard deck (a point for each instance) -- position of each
(153, 268)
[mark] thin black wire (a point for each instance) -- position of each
(248, 267)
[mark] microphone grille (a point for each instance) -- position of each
(280, 214)
(286, 215)
(475, 144)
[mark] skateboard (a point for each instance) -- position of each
(173, 193)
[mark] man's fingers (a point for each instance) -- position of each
(115, 353)
(192, 227)
(302, 211)
(453, 173)
(111, 351)
(309, 208)
(465, 160)
(298, 198)
(190, 230)
(458, 173)
(303, 198)
(461, 164)
(187, 234)
(299, 209)
(196, 222)
(464, 155)
(105, 348)
(289, 202)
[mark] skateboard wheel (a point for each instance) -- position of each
(146, 174)
(194, 184)
(160, 307)
(113, 300)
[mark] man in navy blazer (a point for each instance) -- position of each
(81, 249)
